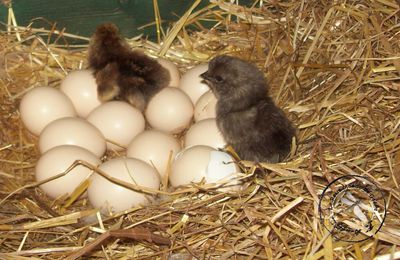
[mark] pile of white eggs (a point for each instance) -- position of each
(72, 124)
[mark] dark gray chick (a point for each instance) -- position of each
(246, 116)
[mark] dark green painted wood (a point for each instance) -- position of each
(81, 17)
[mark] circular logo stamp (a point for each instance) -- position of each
(352, 208)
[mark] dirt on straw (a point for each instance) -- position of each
(333, 66)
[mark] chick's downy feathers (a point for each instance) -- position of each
(247, 117)
(122, 73)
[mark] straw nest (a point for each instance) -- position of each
(333, 66)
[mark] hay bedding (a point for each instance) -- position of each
(332, 65)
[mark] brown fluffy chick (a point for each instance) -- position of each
(123, 74)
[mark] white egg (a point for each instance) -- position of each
(170, 110)
(173, 71)
(42, 105)
(156, 148)
(191, 82)
(72, 131)
(205, 107)
(109, 196)
(220, 166)
(59, 159)
(118, 121)
(81, 87)
(205, 132)
(202, 162)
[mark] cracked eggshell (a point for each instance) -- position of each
(111, 197)
(173, 71)
(57, 160)
(192, 84)
(205, 107)
(170, 110)
(203, 162)
(72, 131)
(205, 132)
(154, 147)
(119, 122)
(220, 166)
(42, 105)
(81, 87)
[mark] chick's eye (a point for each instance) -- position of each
(218, 78)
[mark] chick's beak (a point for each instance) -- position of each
(206, 76)
(208, 79)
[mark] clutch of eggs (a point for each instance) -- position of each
(74, 125)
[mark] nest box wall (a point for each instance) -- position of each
(81, 17)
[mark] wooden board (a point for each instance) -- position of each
(82, 17)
